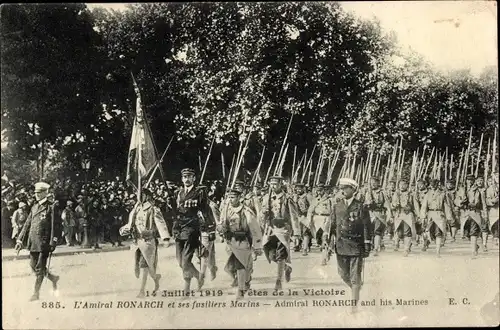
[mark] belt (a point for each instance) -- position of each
(278, 223)
(323, 215)
(435, 210)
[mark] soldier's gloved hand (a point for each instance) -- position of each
(19, 246)
(368, 248)
(258, 252)
(325, 237)
(53, 245)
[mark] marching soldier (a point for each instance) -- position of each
(420, 193)
(377, 205)
(280, 216)
(461, 203)
(403, 205)
(39, 236)
(492, 204)
(454, 223)
(351, 232)
(207, 247)
(391, 189)
(474, 213)
(317, 216)
(434, 214)
(146, 224)
(192, 213)
(241, 229)
(302, 202)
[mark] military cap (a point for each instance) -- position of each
(403, 179)
(320, 185)
(348, 182)
(258, 185)
(11, 202)
(22, 204)
(188, 171)
(374, 178)
(70, 202)
(233, 192)
(422, 180)
(470, 177)
(276, 178)
(299, 184)
(41, 186)
(239, 182)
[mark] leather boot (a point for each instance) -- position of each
(281, 269)
(187, 287)
(157, 282)
(288, 273)
(407, 242)
(38, 285)
(376, 248)
(201, 281)
(241, 275)
(485, 242)
(355, 296)
(54, 279)
(473, 242)
(305, 246)
(438, 246)
(396, 244)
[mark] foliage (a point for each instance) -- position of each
(223, 70)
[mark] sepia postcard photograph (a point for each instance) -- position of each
(243, 165)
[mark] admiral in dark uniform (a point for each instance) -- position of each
(351, 231)
(192, 215)
(39, 236)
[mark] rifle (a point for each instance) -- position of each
(206, 161)
(486, 163)
(158, 164)
(479, 155)
(283, 146)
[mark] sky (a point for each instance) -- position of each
(450, 34)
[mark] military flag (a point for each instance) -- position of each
(142, 155)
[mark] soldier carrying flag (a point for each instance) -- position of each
(146, 224)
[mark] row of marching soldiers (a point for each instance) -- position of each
(427, 213)
(253, 223)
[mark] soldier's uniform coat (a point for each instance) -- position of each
(404, 211)
(191, 210)
(473, 215)
(377, 205)
(350, 229)
(319, 212)
(39, 233)
(241, 227)
(276, 241)
(492, 204)
(147, 223)
(436, 209)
